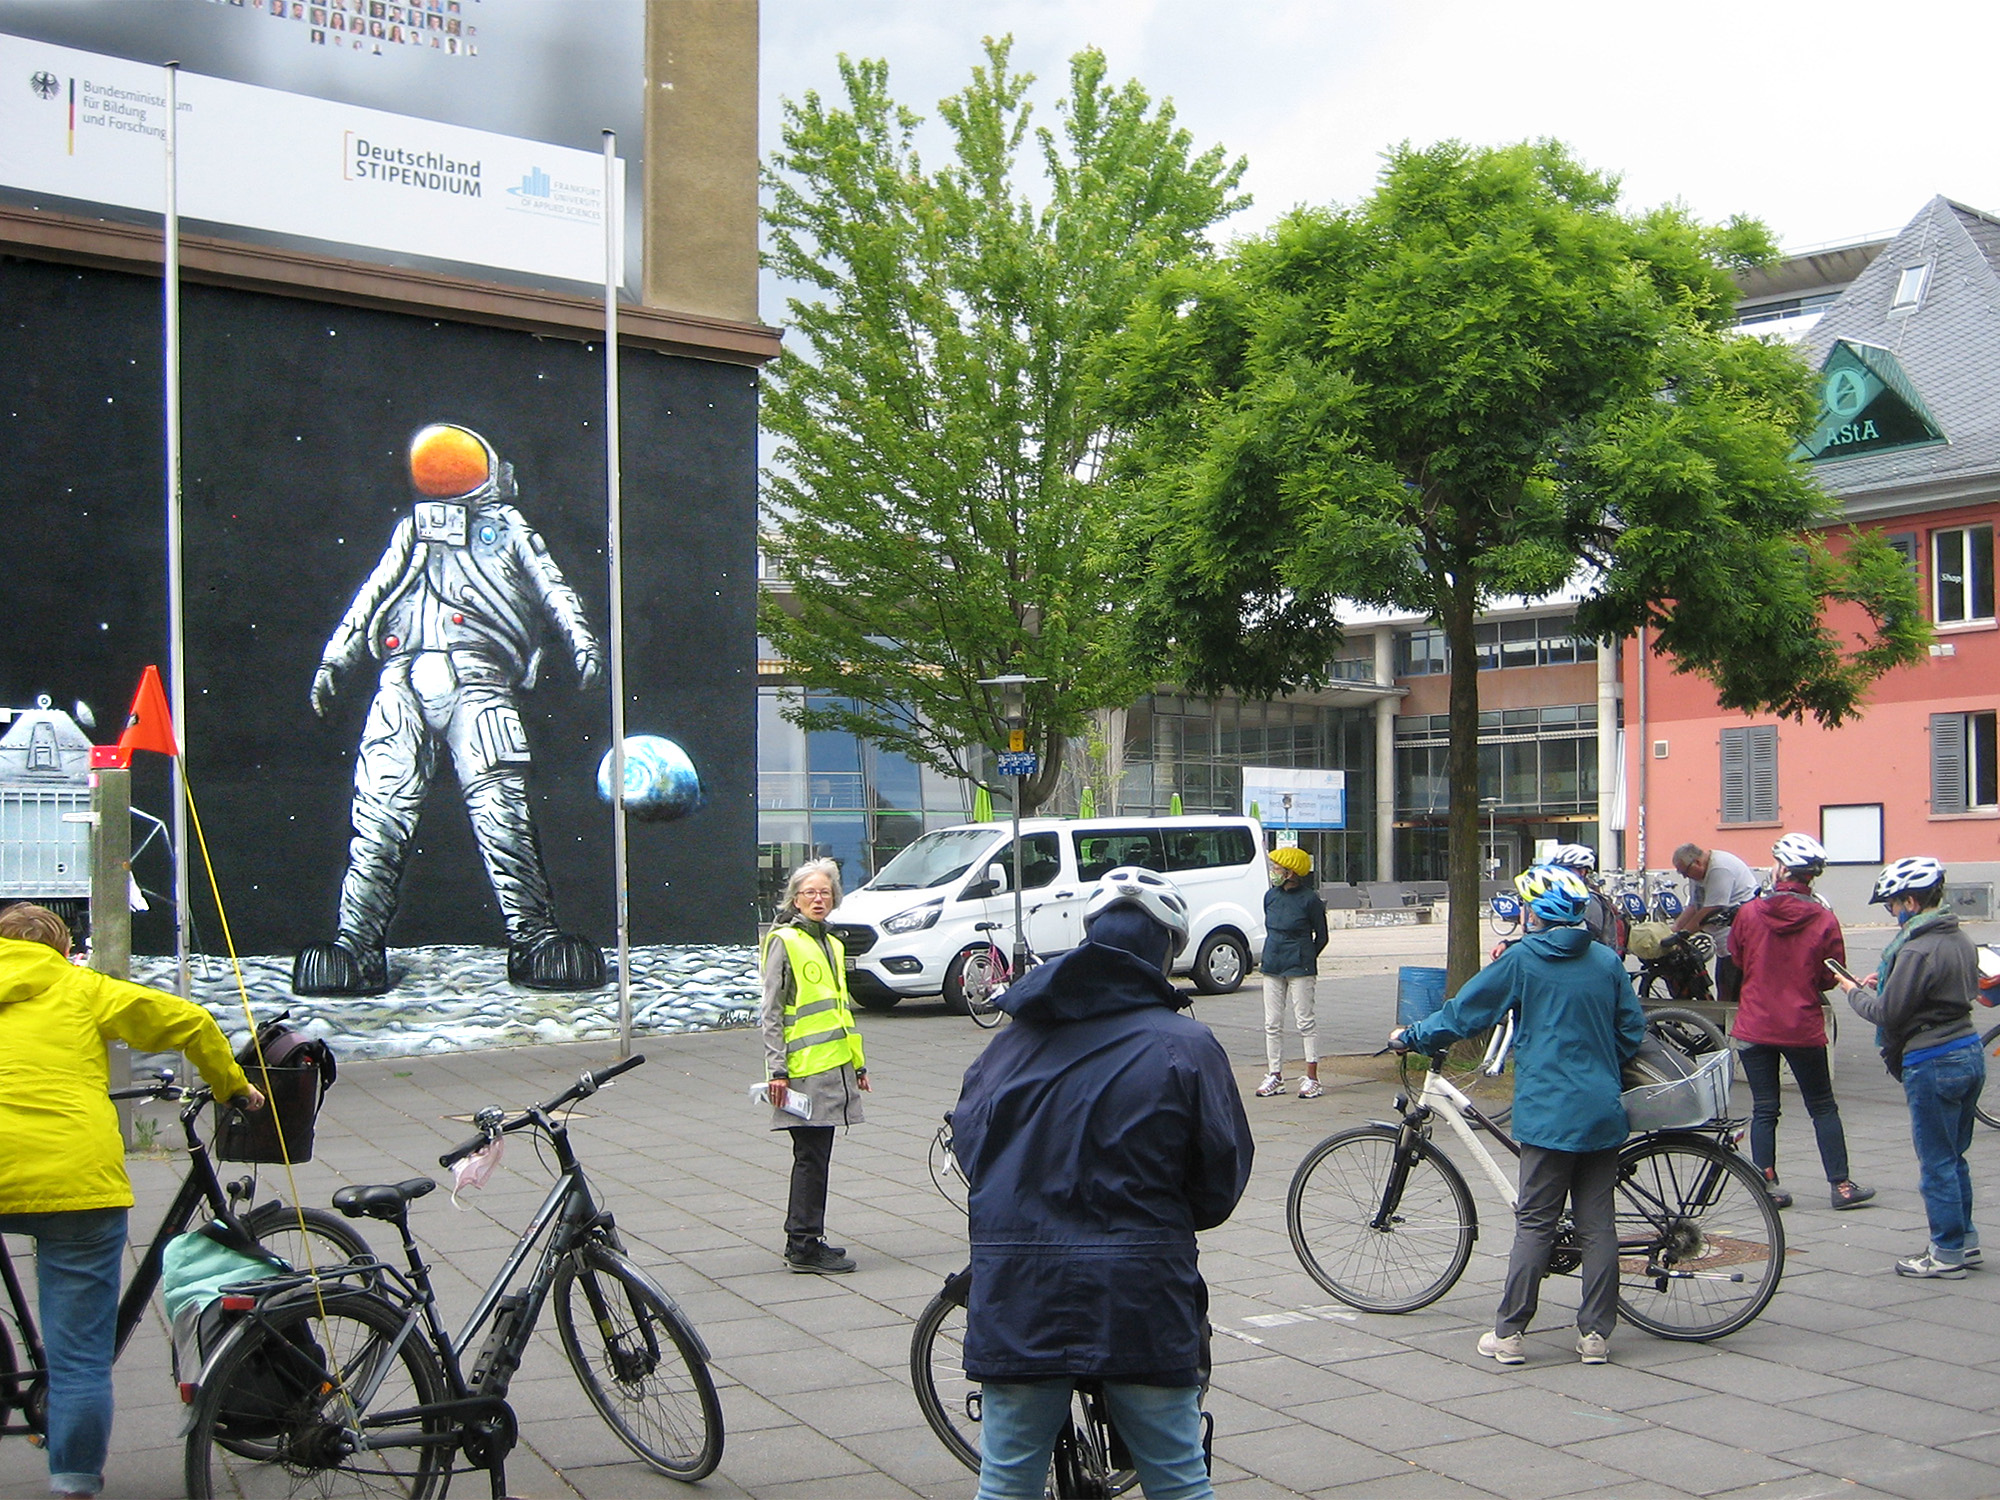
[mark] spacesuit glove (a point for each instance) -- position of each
(589, 665)
(322, 690)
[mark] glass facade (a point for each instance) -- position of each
(828, 794)
(1537, 780)
(1197, 748)
(1545, 641)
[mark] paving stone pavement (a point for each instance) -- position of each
(1853, 1383)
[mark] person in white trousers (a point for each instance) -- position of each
(1294, 935)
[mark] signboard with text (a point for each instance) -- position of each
(1285, 797)
(84, 126)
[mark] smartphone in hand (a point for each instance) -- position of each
(1840, 971)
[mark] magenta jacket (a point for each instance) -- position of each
(1781, 942)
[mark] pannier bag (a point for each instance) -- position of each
(301, 1071)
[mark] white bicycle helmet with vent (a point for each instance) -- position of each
(1800, 851)
(1155, 895)
(1906, 877)
(1573, 857)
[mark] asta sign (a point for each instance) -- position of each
(92, 128)
(1288, 798)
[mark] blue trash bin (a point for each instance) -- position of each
(1419, 993)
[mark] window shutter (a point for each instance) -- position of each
(1735, 776)
(1947, 763)
(1763, 756)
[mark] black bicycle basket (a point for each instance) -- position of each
(295, 1073)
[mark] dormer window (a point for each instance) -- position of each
(1910, 288)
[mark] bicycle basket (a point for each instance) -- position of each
(1677, 1103)
(295, 1074)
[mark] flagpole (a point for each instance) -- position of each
(614, 243)
(176, 584)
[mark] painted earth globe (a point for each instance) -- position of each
(660, 780)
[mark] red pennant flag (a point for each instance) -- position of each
(150, 725)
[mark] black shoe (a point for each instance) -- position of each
(337, 968)
(820, 1259)
(556, 961)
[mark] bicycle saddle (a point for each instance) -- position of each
(384, 1200)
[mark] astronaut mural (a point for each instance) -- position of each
(459, 612)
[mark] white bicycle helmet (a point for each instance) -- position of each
(1906, 877)
(1155, 895)
(1800, 851)
(1573, 857)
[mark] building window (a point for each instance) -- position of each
(1962, 574)
(1421, 653)
(1750, 774)
(1545, 641)
(1965, 772)
(1910, 287)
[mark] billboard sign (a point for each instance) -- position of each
(1286, 798)
(85, 126)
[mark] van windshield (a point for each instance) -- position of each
(935, 859)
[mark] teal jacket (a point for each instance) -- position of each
(1580, 1022)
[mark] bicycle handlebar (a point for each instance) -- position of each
(583, 1088)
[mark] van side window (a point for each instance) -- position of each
(1097, 854)
(1208, 848)
(1041, 862)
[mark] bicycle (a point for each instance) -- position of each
(984, 973)
(340, 1388)
(1089, 1461)
(299, 1236)
(1383, 1219)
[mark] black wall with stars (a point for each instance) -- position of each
(295, 420)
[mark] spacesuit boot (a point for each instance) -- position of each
(335, 968)
(539, 955)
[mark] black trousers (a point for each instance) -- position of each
(1728, 980)
(805, 1215)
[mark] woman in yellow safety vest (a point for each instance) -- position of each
(812, 1056)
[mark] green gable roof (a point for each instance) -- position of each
(1869, 405)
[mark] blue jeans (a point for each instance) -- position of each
(77, 1262)
(1161, 1425)
(1760, 1069)
(1942, 1091)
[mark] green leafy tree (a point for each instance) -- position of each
(935, 500)
(1487, 379)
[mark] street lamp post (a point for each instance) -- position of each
(1014, 708)
(1492, 861)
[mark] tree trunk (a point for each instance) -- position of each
(1462, 774)
(1038, 788)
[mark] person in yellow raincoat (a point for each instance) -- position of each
(62, 1159)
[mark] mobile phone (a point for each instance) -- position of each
(1840, 971)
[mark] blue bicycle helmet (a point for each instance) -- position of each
(1554, 894)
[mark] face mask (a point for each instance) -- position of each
(1903, 915)
(1279, 877)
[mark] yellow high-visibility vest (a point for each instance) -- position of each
(819, 1020)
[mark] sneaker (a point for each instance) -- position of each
(1779, 1197)
(1310, 1089)
(1503, 1348)
(1274, 1083)
(1593, 1348)
(1851, 1195)
(1973, 1256)
(1929, 1266)
(820, 1259)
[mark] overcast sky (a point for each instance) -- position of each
(1831, 121)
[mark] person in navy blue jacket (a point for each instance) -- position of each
(1580, 1023)
(1099, 1132)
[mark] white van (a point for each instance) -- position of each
(909, 930)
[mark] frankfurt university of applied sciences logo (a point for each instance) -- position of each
(45, 84)
(534, 185)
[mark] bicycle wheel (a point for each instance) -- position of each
(1690, 1031)
(1988, 1107)
(640, 1362)
(326, 1241)
(1700, 1245)
(279, 1392)
(1380, 1235)
(948, 1400)
(982, 978)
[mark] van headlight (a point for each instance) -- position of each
(916, 919)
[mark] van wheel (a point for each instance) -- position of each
(954, 982)
(1220, 963)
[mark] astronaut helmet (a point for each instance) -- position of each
(450, 462)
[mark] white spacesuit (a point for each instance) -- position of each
(454, 611)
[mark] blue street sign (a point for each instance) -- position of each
(1018, 763)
